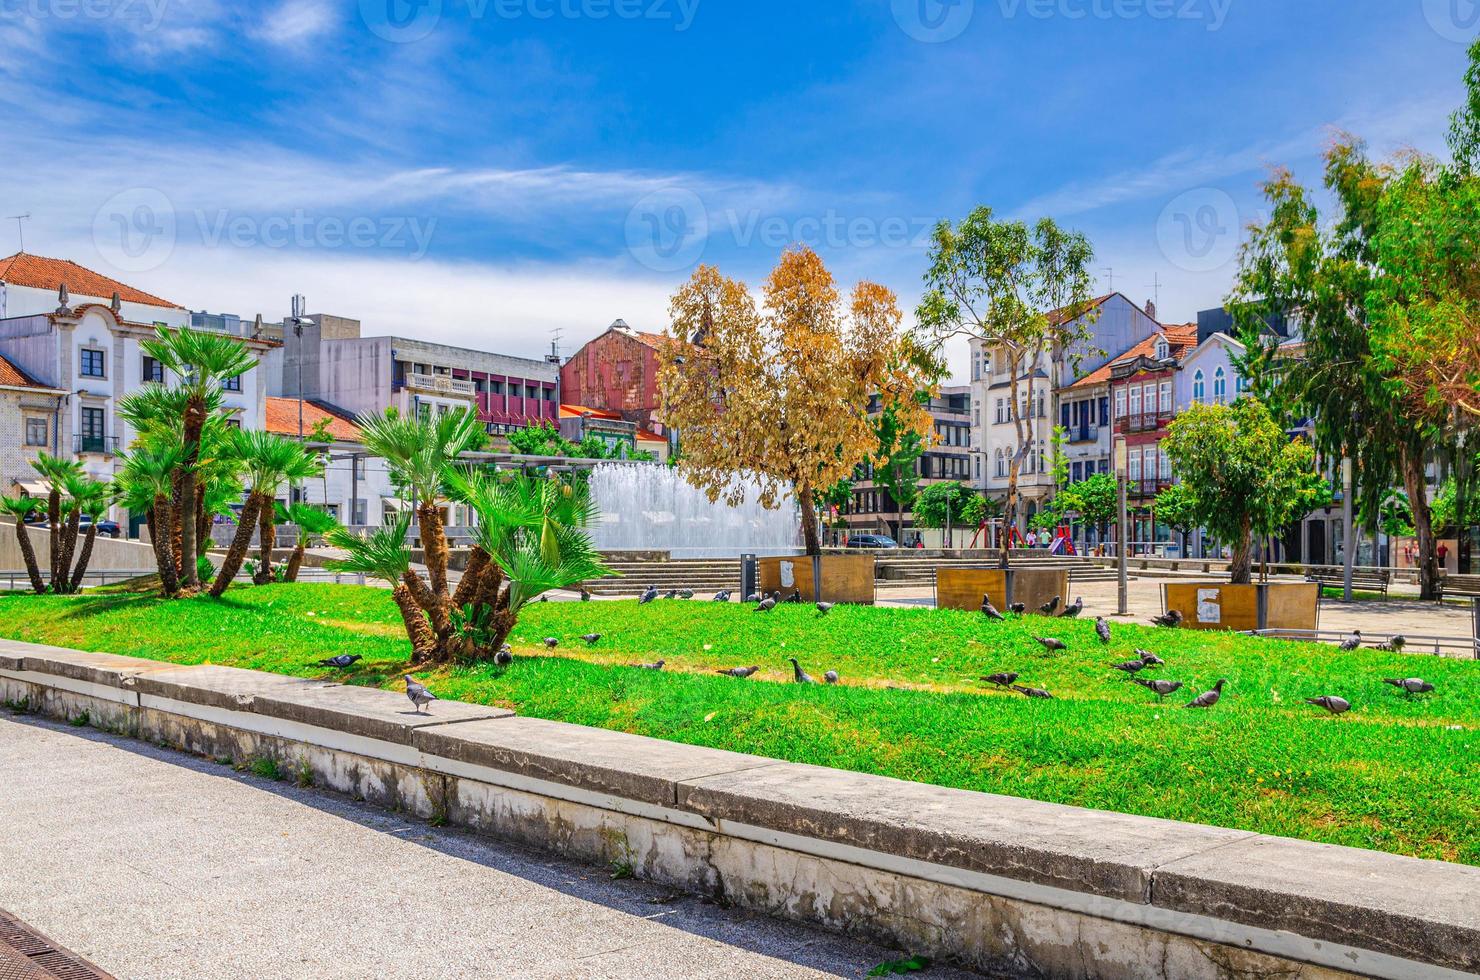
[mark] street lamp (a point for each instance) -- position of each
(1122, 457)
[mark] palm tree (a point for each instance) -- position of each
(202, 361)
(383, 555)
(94, 503)
(312, 522)
(269, 461)
(147, 483)
(56, 472)
(21, 508)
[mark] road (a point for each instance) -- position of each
(154, 864)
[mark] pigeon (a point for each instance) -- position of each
(802, 677)
(341, 662)
(551, 642)
(653, 666)
(685, 593)
(823, 608)
(1049, 643)
(722, 596)
(1208, 698)
(1001, 680)
(990, 611)
(766, 605)
(544, 598)
(1102, 630)
(504, 657)
(671, 594)
(831, 677)
(1160, 687)
(1150, 659)
(795, 597)
(648, 596)
(418, 694)
(1032, 692)
(1131, 666)
(738, 671)
(1049, 607)
(1018, 607)
(1072, 612)
(1333, 704)
(1413, 685)
(585, 595)
(592, 639)
(1395, 645)
(753, 597)
(1351, 642)
(1171, 620)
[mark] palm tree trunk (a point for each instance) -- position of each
(28, 552)
(267, 538)
(176, 541)
(163, 546)
(296, 561)
(202, 523)
(195, 417)
(435, 605)
(84, 558)
(468, 585)
(241, 543)
(433, 545)
(423, 640)
(63, 580)
(54, 521)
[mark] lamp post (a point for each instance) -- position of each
(1347, 531)
(1123, 539)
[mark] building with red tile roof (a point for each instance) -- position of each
(37, 272)
(284, 416)
(617, 372)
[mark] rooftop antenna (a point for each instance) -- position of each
(1110, 275)
(1155, 285)
(20, 229)
(555, 336)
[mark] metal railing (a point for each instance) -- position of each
(108, 445)
(1438, 646)
(13, 581)
(1145, 421)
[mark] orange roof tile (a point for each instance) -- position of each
(282, 419)
(39, 272)
(643, 435)
(14, 377)
(576, 411)
(1181, 338)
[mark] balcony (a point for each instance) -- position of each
(442, 384)
(1145, 422)
(1084, 433)
(104, 445)
(1146, 488)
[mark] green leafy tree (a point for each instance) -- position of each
(1247, 478)
(1176, 508)
(541, 440)
(1095, 499)
(896, 465)
(1024, 293)
(939, 500)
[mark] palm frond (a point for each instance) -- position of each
(381, 554)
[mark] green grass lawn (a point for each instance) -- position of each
(1397, 773)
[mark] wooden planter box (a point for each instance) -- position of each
(1221, 606)
(963, 588)
(845, 578)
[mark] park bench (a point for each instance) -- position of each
(1363, 580)
(1461, 585)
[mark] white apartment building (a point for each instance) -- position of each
(77, 332)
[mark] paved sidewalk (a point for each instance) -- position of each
(155, 864)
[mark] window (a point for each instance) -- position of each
(1001, 463)
(1162, 350)
(1199, 387)
(90, 435)
(1166, 398)
(233, 423)
(1238, 384)
(1120, 403)
(1001, 411)
(232, 384)
(423, 411)
(36, 431)
(1166, 468)
(92, 363)
(152, 370)
(1133, 473)
(1136, 401)
(1220, 386)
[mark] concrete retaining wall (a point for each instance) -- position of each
(1009, 886)
(107, 554)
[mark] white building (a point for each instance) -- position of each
(78, 332)
(1118, 325)
(356, 486)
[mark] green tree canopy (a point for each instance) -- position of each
(1096, 500)
(966, 507)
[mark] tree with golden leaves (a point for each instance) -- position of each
(779, 394)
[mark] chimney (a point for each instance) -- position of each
(117, 305)
(1151, 308)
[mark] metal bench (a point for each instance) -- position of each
(1363, 580)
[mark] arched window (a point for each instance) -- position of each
(1162, 350)
(1220, 386)
(1199, 386)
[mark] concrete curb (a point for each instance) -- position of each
(1004, 884)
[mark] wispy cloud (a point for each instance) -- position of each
(295, 22)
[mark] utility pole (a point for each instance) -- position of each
(1122, 546)
(20, 229)
(1348, 532)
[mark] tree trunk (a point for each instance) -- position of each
(295, 561)
(28, 552)
(61, 584)
(423, 640)
(1423, 524)
(809, 520)
(267, 538)
(54, 522)
(175, 539)
(202, 523)
(195, 418)
(241, 543)
(435, 605)
(163, 547)
(84, 558)
(468, 585)
(1241, 568)
(433, 546)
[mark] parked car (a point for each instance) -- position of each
(107, 529)
(871, 541)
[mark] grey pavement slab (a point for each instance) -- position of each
(364, 711)
(156, 864)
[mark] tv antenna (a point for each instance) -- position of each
(555, 336)
(1155, 286)
(1110, 276)
(20, 228)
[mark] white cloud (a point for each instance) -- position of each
(294, 22)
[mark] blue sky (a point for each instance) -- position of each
(489, 171)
